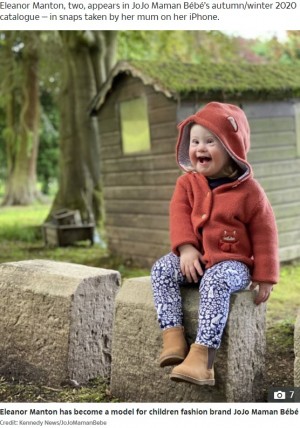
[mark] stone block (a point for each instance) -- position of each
(56, 321)
(297, 351)
(136, 375)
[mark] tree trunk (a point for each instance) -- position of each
(22, 128)
(85, 67)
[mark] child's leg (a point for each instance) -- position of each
(216, 286)
(166, 277)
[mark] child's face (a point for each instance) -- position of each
(207, 154)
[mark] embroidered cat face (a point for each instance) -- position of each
(229, 236)
(228, 240)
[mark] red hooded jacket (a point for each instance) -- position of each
(233, 221)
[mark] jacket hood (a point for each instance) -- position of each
(229, 123)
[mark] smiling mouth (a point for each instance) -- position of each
(204, 159)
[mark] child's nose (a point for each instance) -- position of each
(201, 146)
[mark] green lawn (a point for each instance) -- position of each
(21, 239)
(285, 299)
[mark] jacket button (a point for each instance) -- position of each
(203, 216)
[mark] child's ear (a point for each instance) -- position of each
(233, 123)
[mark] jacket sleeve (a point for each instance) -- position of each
(264, 237)
(181, 228)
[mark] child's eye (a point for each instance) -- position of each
(210, 141)
(194, 141)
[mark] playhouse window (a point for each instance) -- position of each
(135, 126)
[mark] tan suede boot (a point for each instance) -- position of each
(197, 367)
(175, 347)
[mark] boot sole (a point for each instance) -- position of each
(183, 378)
(170, 360)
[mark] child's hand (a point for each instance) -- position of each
(190, 262)
(264, 290)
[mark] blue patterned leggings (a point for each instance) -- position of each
(215, 287)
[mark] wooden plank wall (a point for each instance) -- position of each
(276, 165)
(138, 188)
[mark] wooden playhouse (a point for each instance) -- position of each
(138, 109)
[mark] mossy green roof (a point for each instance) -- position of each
(186, 78)
(261, 82)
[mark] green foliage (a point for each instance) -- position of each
(283, 52)
(184, 46)
(149, 45)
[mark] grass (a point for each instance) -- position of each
(285, 299)
(22, 223)
(21, 239)
(17, 391)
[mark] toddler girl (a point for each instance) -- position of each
(223, 236)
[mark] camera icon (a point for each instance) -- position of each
(279, 395)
